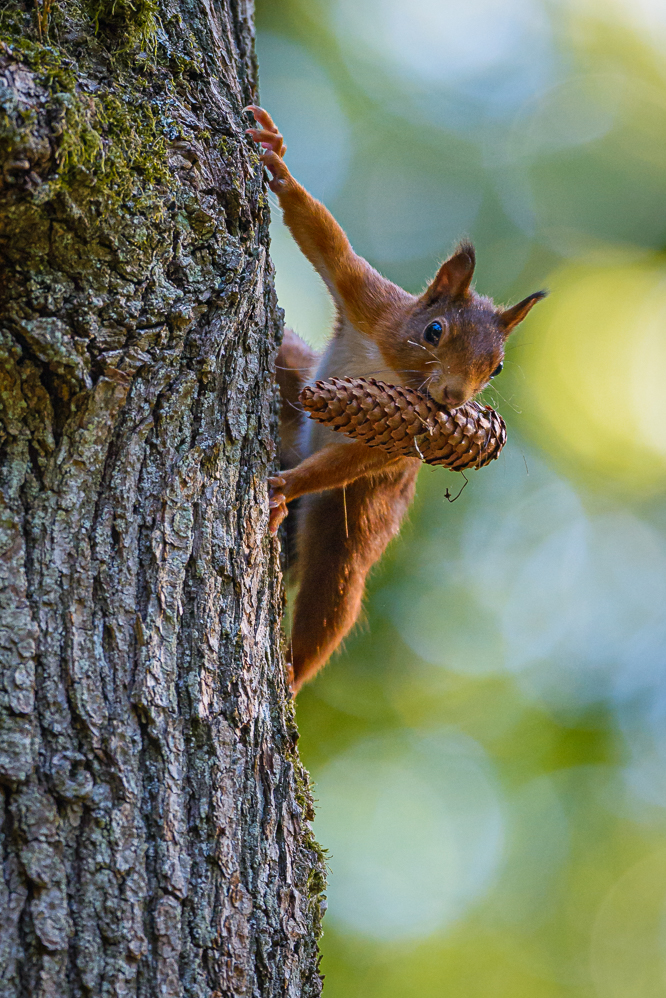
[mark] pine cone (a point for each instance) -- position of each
(403, 422)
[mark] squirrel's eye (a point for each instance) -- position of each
(432, 333)
(498, 370)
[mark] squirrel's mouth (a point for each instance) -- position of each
(441, 394)
(449, 397)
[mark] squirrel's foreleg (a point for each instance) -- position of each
(365, 297)
(329, 468)
(341, 534)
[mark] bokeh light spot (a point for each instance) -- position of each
(593, 363)
(628, 951)
(414, 829)
(425, 213)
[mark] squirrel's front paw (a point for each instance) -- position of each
(277, 170)
(277, 503)
(268, 135)
(270, 138)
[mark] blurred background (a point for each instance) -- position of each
(489, 752)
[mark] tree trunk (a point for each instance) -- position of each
(155, 836)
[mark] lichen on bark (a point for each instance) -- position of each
(154, 829)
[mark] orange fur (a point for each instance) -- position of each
(368, 299)
(382, 331)
(333, 466)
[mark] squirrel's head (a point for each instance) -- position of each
(453, 340)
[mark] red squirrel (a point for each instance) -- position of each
(448, 342)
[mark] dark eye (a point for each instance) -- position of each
(498, 370)
(432, 333)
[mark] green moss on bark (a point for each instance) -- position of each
(131, 23)
(122, 144)
(113, 149)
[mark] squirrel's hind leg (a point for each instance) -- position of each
(336, 550)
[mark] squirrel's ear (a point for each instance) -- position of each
(454, 277)
(510, 318)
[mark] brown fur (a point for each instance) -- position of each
(381, 332)
(335, 555)
(294, 366)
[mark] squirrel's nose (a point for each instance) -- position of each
(454, 397)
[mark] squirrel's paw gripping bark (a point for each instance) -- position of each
(277, 503)
(268, 135)
(272, 141)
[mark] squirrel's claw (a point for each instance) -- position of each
(262, 116)
(270, 141)
(276, 515)
(276, 167)
(277, 503)
(268, 135)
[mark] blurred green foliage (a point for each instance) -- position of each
(489, 752)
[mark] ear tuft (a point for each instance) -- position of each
(510, 317)
(454, 276)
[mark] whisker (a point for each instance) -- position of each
(415, 344)
(517, 366)
(383, 370)
(509, 401)
(288, 367)
(427, 350)
(273, 201)
(293, 405)
(436, 358)
(424, 384)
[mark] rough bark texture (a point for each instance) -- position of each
(154, 829)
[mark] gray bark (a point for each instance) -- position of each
(154, 823)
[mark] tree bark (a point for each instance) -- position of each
(155, 837)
